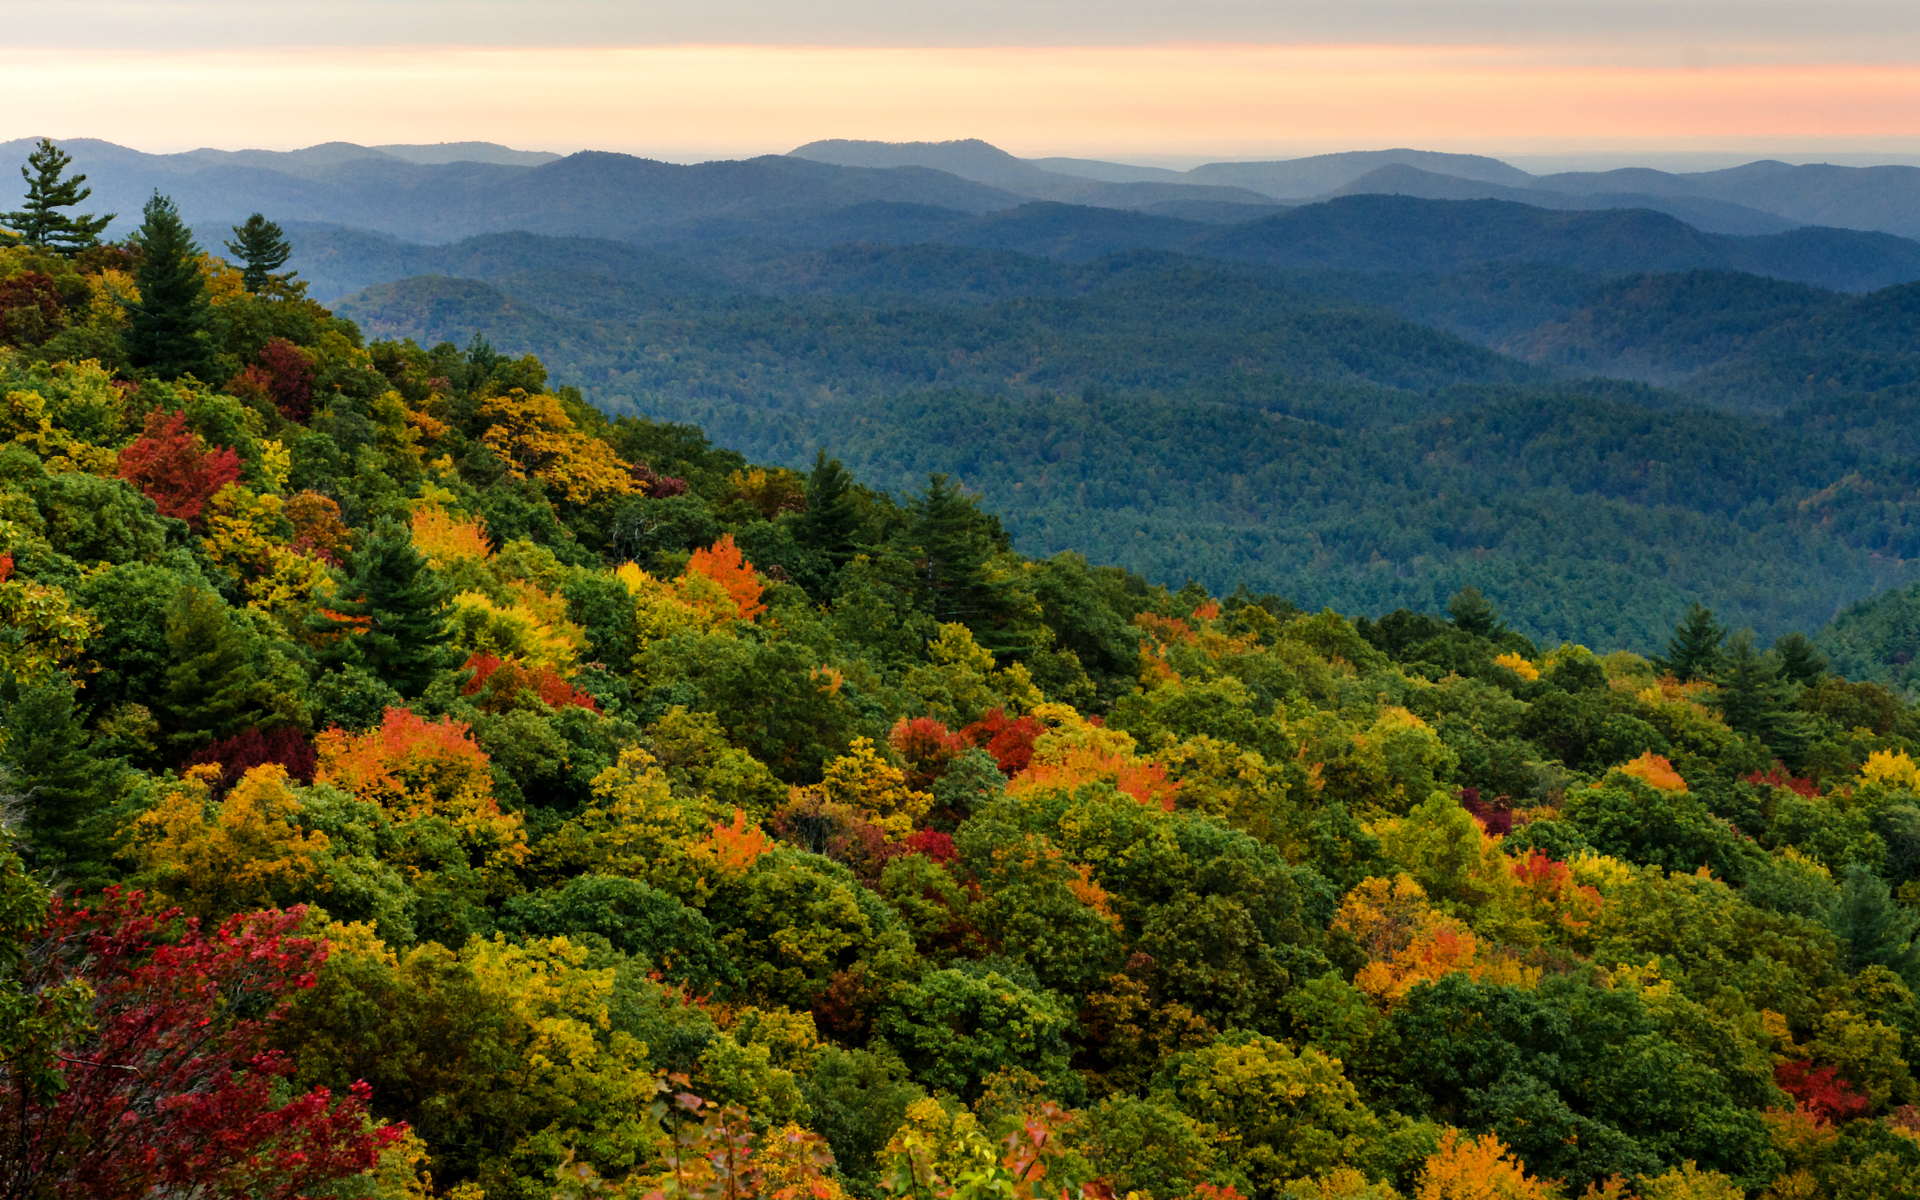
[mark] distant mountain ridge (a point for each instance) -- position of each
(1759, 197)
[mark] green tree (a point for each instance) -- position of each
(166, 330)
(831, 523)
(1800, 660)
(1757, 701)
(1474, 613)
(66, 791)
(212, 689)
(1876, 930)
(40, 223)
(952, 545)
(389, 610)
(264, 249)
(1697, 648)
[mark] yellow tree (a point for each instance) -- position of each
(534, 436)
(245, 852)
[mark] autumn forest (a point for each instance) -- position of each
(416, 782)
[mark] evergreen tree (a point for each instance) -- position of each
(1755, 700)
(212, 690)
(40, 223)
(951, 543)
(1697, 648)
(1800, 661)
(389, 611)
(831, 523)
(1474, 613)
(1877, 931)
(264, 249)
(166, 329)
(65, 792)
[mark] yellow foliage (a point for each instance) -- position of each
(1687, 1182)
(1478, 1169)
(874, 787)
(518, 631)
(42, 632)
(1655, 771)
(934, 1148)
(570, 1058)
(245, 852)
(275, 463)
(533, 435)
(635, 826)
(443, 537)
(240, 530)
(1518, 665)
(223, 283)
(1891, 768)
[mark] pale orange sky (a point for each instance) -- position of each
(1201, 99)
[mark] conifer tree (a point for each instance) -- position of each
(951, 544)
(1754, 698)
(390, 610)
(211, 686)
(64, 791)
(1474, 613)
(831, 523)
(1877, 931)
(166, 329)
(264, 249)
(1697, 648)
(39, 222)
(1800, 660)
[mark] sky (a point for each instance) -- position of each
(1137, 80)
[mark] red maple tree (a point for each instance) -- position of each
(170, 464)
(1008, 739)
(1821, 1092)
(169, 1088)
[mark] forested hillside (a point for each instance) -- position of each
(419, 784)
(1181, 419)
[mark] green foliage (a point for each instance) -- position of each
(40, 223)
(263, 249)
(167, 329)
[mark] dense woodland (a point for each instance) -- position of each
(419, 784)
(1279, 429)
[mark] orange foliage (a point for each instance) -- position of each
(1478, 1169)
(1652, 769)
(416, 770)
(1171, 631)
(1144, 781)
(502, 680)
(736, 847)
(725, 565)
(1410, 943)
(317, 527)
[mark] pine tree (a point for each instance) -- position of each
(1876, 929)
(166, 329)
(1754, 698)
(264, 249)
(65, 792)
(212, 688)
(40, 223)
(831, 523)
(1800, 660)
(389, 611)
(1474, 613)
(1697, 648)
(951, 544)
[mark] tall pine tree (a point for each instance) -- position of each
(212, 689)
(40, 221)
(64, 791)
(264, 249)
(831, 523)
(389, 611)
(951, 544)
(1697, 649)
(166, 330)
